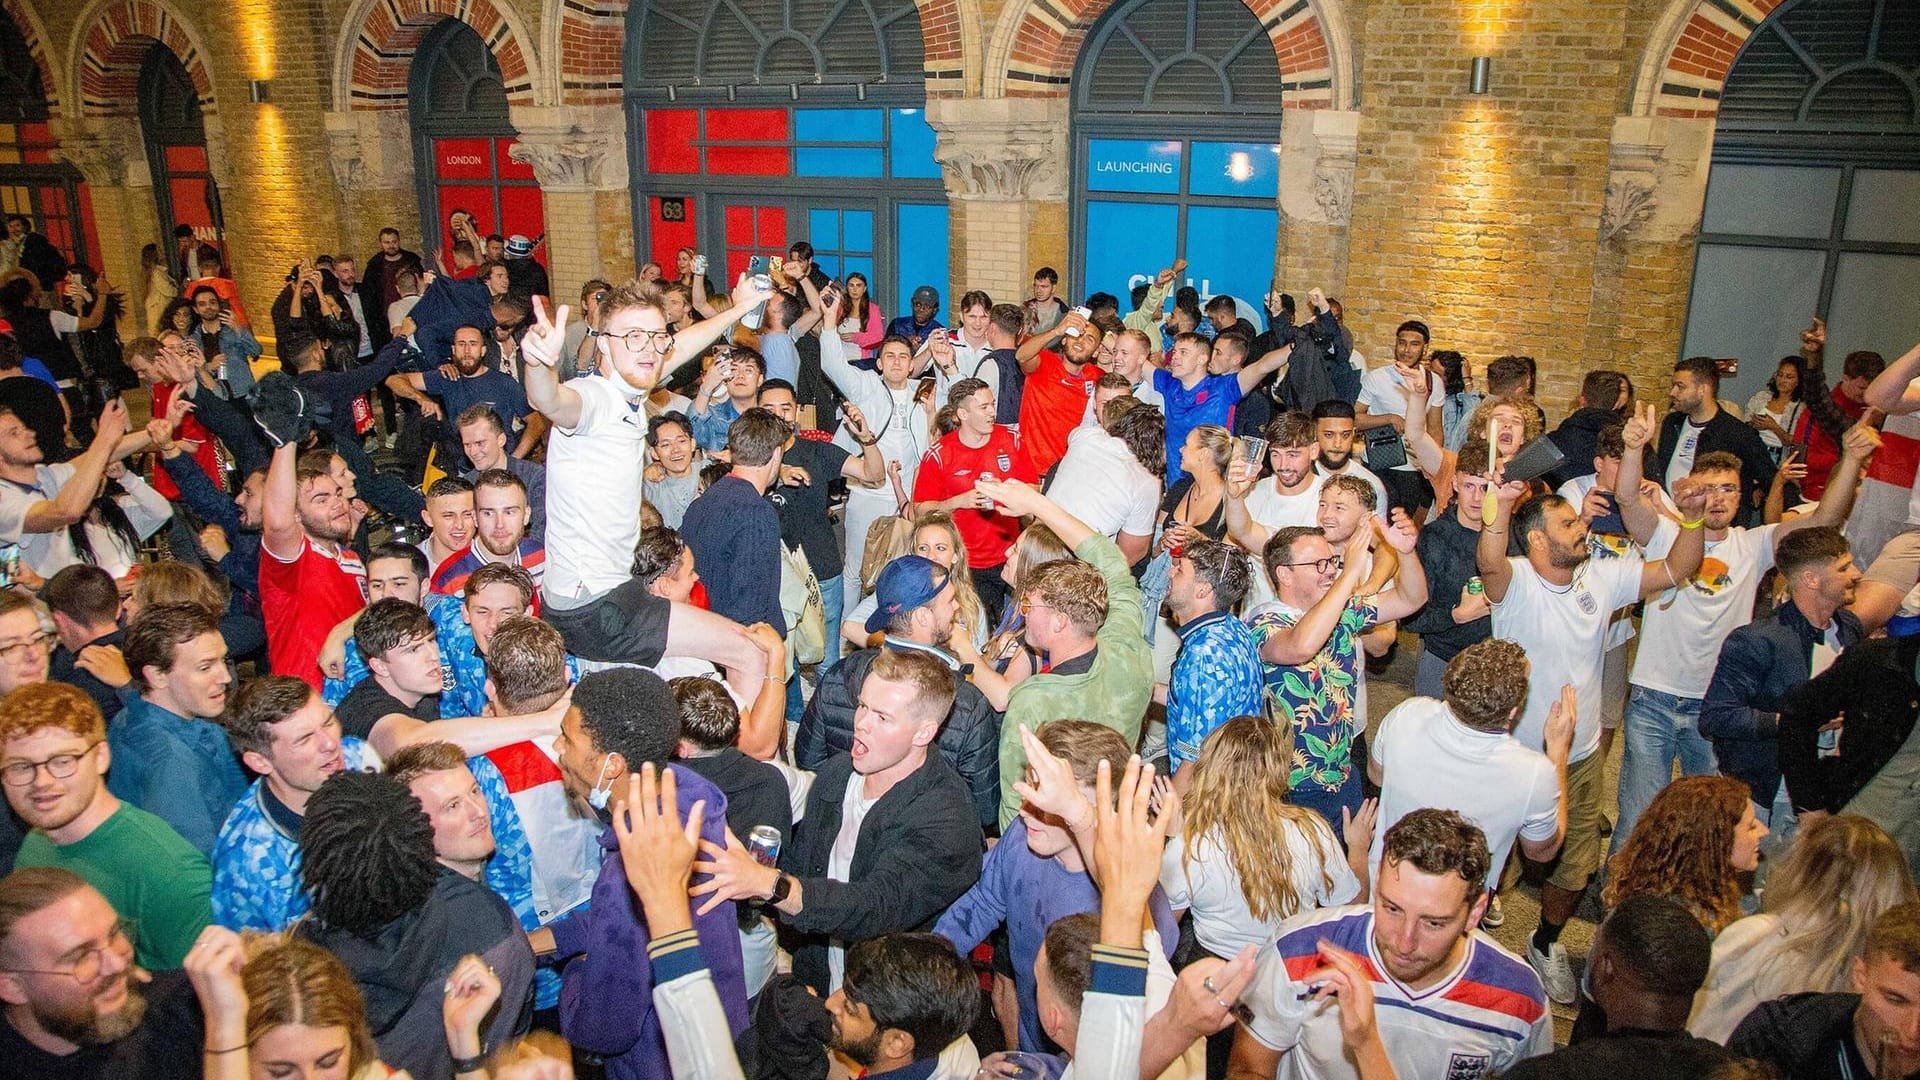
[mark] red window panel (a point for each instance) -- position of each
(464, 159)
(190, 203)
(747, 125)
(670, 236)
(739, 227)
(521, 212)
(186, 159)
(670, 141)
(772, 222)
(749, 161)
(509, 168)
(476, 200)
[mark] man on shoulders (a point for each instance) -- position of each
(174, 760)
(915, 608)
(143, 868)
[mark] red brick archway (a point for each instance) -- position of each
(593, 34)
(1038, 43)
(118, 36)
(380, 37)
(1697, 44)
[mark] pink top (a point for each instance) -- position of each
(868, 337)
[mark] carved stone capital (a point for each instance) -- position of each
(572, 149)
(1005, 149)
(107, 153)
(1319, 150)
(1656, 179)
(369, 149)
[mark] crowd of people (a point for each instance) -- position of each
(711, 683)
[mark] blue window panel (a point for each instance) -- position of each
(837, 125)
(912, 146)
(856, 264)
(1145, 165)
(1128, 243)
(921, 236)
(837, 161)
(1250, 170)
(828, 264)
(856, 231)
(1230, 250)
(823, 229)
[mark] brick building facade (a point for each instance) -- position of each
(1554, 215)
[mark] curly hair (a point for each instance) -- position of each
(1074, 589)
(1238, 801)
(40, 706)
(1530, 422)
(366, 852)
(1485, 682)
(1682, 847)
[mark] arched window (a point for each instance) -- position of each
(31, 183)
(457, 107)
(1811, 204)
(176, 137)
(1176, 120)
(828, 96)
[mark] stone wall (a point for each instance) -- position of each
(1552, 216)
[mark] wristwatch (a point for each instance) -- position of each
(781, 887)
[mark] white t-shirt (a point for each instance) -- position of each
(398, 311)
(63, 322)
(1564, 630)
(1683, 629)
(594, 494)
(1100, 482)
(1267, 506)
(1430, 758)
(853, 810)
(1207, 885)
(1380, 392)
(1484, 1017)
(1681, 463)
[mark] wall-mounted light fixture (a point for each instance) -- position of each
(732, 94)
(673, 92)
(260, 91)
(1481, 75)
(860, 91)
(793, 91)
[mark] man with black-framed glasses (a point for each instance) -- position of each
(53, 764)
(75, 1004)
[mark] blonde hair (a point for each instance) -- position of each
(1218, 443)
(170, 582)
(292, 981)
(1530, 424)
(972, 615)
(1836, 880)
(1238, 800)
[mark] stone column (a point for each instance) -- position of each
(1649, 225)
(1318, 149)
(371, 154)
(113, 161)
(579, 156)
(1005, 163)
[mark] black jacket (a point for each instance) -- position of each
(1804, 1036)
(1577, 437)
(1736, 437)
(919, 850)
(1759, 663)
(1872, 689)
(374, 279)
(970, 739)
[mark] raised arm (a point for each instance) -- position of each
(1892, 391)
(836, 364)
(1276, 361)
(70, 505)
(1028, 354)
(1490, 554)
(1636, 509)
(1683, 559)
(474, 735)
(1025, 500)
(1302, 641)
(1426, 450)
(1410, 594)
(1241, 528)
(1858, 444)
(279, 505)
(541, 348)
(691, 342)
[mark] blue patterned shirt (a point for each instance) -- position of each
(463, 671)
(256, 861)
(1215, 678)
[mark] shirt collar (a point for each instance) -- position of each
(1184, 630)
(918, 1070)
(935, 651)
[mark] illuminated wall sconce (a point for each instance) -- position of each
(1480, 76)
(260, 91)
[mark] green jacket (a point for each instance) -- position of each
(1114, 692)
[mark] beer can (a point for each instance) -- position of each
(763, 843)
(1475, 586)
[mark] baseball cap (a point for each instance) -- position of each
(519, 247)
(926, 294)
(907, 582)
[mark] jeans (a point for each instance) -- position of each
(1428, 676)
(1659, 728)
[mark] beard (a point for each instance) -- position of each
(1335, 463)
(864, 1052)
(1568, 558)
(87, 1027)
(324, 529)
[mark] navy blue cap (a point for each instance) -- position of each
(907, 582)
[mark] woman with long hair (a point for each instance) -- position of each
(1776, 412)
(312, 306)
(1456, 378)
(278, 1006)
(935, 538)
(1692, 843)
(1821, 900)
(1244, 858)
(160, 286)
(177, 316)
(862, 324)
(124, 513)
(1007, 659)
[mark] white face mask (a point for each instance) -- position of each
(599, 796)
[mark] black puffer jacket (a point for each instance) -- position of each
(970, 739)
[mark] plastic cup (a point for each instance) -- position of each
(1252, 448)
(1022, 1065)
